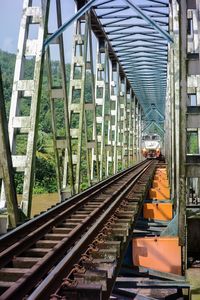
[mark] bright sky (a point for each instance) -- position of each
(10, 16)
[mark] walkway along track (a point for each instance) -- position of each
(57, 239)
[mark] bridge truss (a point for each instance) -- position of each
(126, 80)
(137, 80)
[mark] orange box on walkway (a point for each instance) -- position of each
(161, 254)
(158, 211)
(160, 177)
(159, 193)
(160, 183)
(161, 170)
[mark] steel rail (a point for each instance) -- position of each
(48, 285)
(40, 229)
(28, 227)
(44, 264)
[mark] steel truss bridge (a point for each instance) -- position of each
(143, 74)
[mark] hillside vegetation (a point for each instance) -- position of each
(45, 175)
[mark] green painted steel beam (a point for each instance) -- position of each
(164, 33)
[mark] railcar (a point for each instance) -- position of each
(151, 146)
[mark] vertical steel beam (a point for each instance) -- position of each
(137, 129)
(120, 125)
(140, 133)
(101, 99)
(130, 127)
(114, 98)
(182, 130)
(90, 113)
(171, 94)
(109, 145)
(82, 110)
(125, 120)
(58, 93)
(134, 120)
(28, 88)
(6, 169)
(176, 71)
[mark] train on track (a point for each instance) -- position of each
(151, 146)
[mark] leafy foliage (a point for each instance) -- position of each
(45, 173)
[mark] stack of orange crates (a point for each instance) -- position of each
(160, 192)
(159, 253)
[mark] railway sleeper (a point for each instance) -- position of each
(78, 216)
(119, 226)
(119, 237)
(86, 209)
(125, 215)
(4, 285)
(91, 205)
(24, 262)
(133, 198)
(101, 197)
(111, 191)
(131, 207)
(92, 277)
(69, 224)
(55, 236)
(73, 220)
(12, 274)
(63, 230)
(123, 221)
(81, 291)
(46, 244)
(106, 264)
(83, 211)
(109, 253)
(36, 252)
(110, 244)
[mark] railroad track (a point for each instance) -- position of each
(80, 240)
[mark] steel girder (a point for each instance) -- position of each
(138, 35)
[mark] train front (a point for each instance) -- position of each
(151, 146)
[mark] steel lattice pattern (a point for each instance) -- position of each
(141, 49)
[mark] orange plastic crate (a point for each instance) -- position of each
(161, 170)
(159, 193)
(160, 183)
(157, 211)
(161, 254)
(160, 177)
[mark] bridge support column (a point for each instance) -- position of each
(183, 125)
(82, 111)
(6, 169)
(27, 89)
(58, 98)
(102, 102)
(124, 129)
(138, 130)
(184, 102)
(114, 123)
(130, 127)
(134, 120)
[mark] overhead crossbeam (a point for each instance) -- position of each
(164, 33)
(152, 110)
(140, 39)
(138, 35)
(155, 124)
(75, 17)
